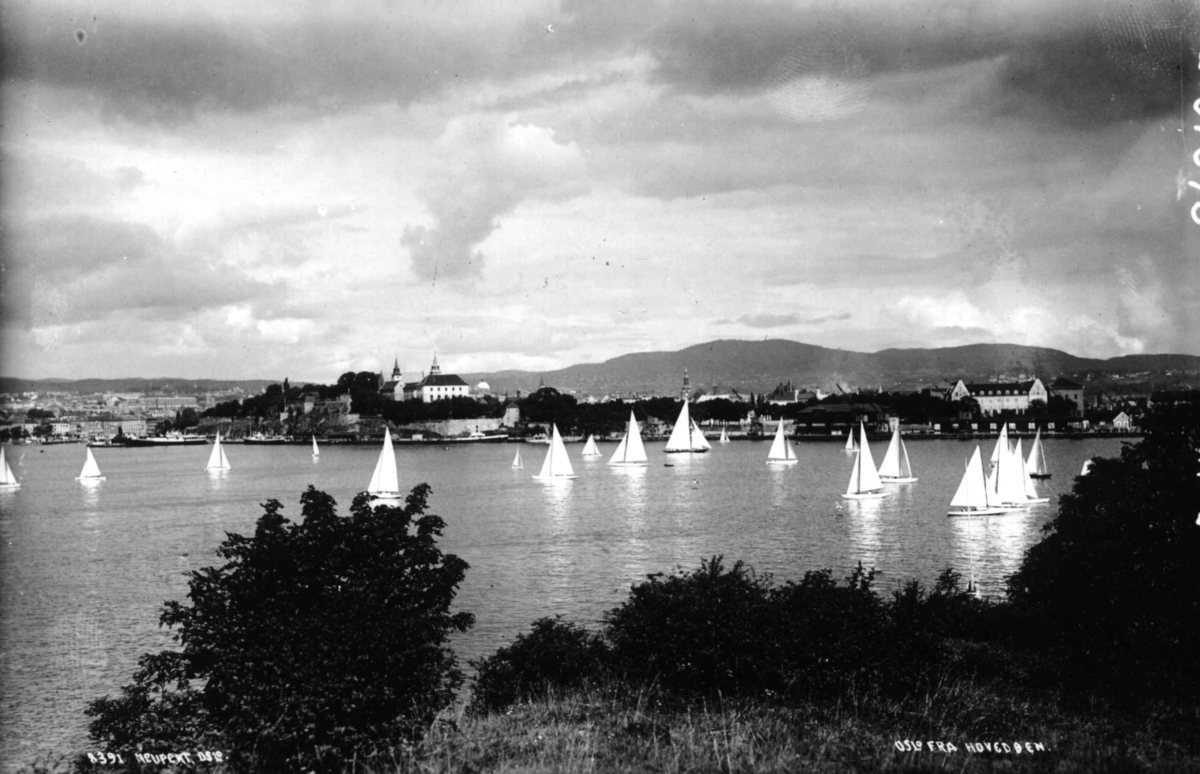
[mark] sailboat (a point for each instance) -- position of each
(850, 445)
(724, 436)
(1006, 481)
(864, 479)
(781, 451)
(91, 471)
(685, 436)
(7, 479)
(517, 464)
(1087, 468)
(973, 497)
(590, 449)
(217, 460)
(385, 485)
(316, 451)
(630, 452)
(1031, 493)
(895, 468)
(1037, 458)
(556, 466)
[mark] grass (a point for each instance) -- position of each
(597, 730)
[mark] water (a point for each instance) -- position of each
(86, 568)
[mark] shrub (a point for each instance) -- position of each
(314, 643)
(555, 654)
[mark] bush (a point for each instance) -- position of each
(314, 643)
(554, 654)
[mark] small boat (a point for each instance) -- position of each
(539, 438)
(170, 439)
(851, 446)
(895, 468)
(315, 452)
(630, 452)
(385, 484)
(686, 436)
(1031, 492)
(864, 479)
(556, 466)
(105, 443)
(7, 479)
(724, 436)
(517, 464)
(973, 497)
(91, 471)
(217, 459)
(1037, 458)
(1087, 468)
(781, 451)
(590, 449)
(264, 440)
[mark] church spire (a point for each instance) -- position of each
(396, 370)
(435, 368)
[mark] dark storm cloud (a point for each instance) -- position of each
(71, 269)
(147, 66)
(1070, 61)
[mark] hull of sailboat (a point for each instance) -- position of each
(85, 479)
(642, 464)
(782, 462)
(685, 451)
(991, 511)
(8, 487)
(898, 479)
(1039, 476)
(863, 495)
(387, 497)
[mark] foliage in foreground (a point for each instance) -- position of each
(315, 643)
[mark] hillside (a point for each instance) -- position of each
(757, 366)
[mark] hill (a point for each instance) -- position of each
(757, 366)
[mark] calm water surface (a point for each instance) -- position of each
(85, 569)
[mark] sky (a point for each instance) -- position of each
(258, 190)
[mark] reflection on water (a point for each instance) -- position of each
(84, 572)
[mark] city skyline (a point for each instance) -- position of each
(230, 191)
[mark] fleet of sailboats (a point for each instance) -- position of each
(217, 459)
(864, 479)
(895, 468)
(1008, 482)
(630, 452)
(385, 484)
(556, 466)
(590, 449)
(7, 479)
(781, 451)
(973, 496)
(91, 471)
(686, 436)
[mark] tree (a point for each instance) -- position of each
(1112, 588)
(313, 644)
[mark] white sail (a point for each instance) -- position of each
(7, 479)
(556, 465)
(972, 489)
(1001, 443)
(91, 471)
(864, 479)
(316, 452)
(630, 451)
(685, 436)
(517, 460)
(217, 459)
(896, 466)
(850, 441)
(1087, 468)
(1037, 458)
(385, 483)
(590, 449)
(1006, 482)
(724, 436)
(781, 451)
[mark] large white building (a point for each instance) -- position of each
(994, 397)
(437, 386)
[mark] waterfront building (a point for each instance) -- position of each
(393, 388)
(436, 386)
(1072, 391)
(994, 397)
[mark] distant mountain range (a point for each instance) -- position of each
(758, 366)
(753, 366)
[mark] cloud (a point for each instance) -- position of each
(767, 320)
(488, 166)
